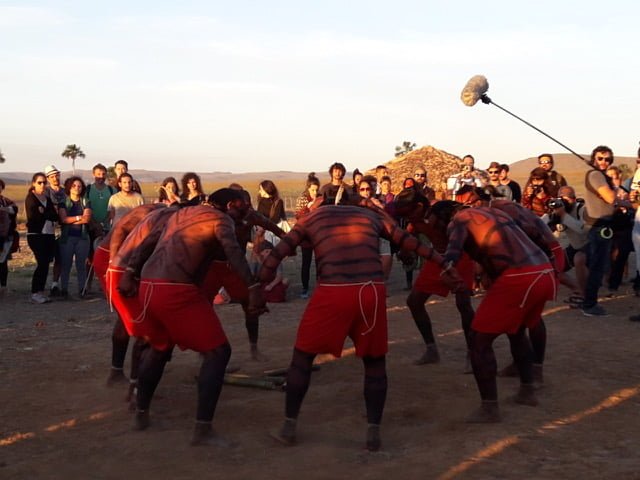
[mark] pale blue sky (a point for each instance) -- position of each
(296, 85)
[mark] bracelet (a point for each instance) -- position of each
(77, 218)
(447, 266)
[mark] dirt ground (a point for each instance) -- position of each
(59, 420)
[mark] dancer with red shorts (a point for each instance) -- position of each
(413, 207)
(541, 235)
(221, 274)
(522, 281)
(178, 312)
(349, 301)
(101, 259)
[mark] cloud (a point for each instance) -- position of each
(30, 17)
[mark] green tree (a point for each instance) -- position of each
(73, 151)
(405, 148)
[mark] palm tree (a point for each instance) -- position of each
(405, 148)
(2, 159)
(73, 151)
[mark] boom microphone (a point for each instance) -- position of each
(476, 89)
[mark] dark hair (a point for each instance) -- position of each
(236, 186)
(339, 166)
(221, 197)
(542, 155)
(410, 197)
(494, 165)
(34, 177)
(468, 155)
(385, 178)
(504, 166)
(638, 152)
(162, 196)
(312, 180)
(69, 181)
(540, 173)
(371, 179)
(99, 166)
(408, 180)
(600, 149)
(444, 210)
(2, 184)
(185, 179)
(355, 172)
(122, 162)
(125, 174)
(270, 188)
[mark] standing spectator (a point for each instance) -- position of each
(357, 176)
(192, 192)
(516, 192)
(420, 177)
(98, 193)
(601, 202)
(274, 291)
(169, 191)
(545, 161)
(303, 205)
(120, 167)
(621, 243)
(41, 219)
(55, 192)
(503, 191)
(634, 196)
(271, 206)
(8, 212)
(467, 176)
(125, 200)
(381, 171)
(386, 196)
(336, 188)
(536, 193)
(75, 216)
(366, 189)
(410, 261)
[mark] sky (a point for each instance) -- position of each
(251, 86)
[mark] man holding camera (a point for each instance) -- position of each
(467, 176)
(567, 215)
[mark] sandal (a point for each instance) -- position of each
(574, 301)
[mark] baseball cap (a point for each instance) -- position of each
(50, 170)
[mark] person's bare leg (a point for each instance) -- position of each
(375, 395)
(416, 301)
(484, 364)
(119, 345)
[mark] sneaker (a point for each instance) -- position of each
(55, 291)
(595, 311)
(39, 298)
(304, 294)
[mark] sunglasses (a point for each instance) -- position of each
(544, 162)
(365, 189)
(41, 183)
(494, 171)
(603, 159)
(420, 175)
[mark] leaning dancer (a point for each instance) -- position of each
(522, 281)
(350, 300)
(414, 208)
(101, 258)
(177, 310)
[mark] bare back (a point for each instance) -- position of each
(127, 223)
(191, 239)
(492, 239)
(529, 223)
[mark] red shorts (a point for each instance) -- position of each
(128, 308)
(516, 298)
(335, 312)
(219, 275)
(100, 265)
(429, 280)
(179, 314)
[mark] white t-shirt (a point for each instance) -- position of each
(121, 203)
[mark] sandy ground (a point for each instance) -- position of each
(59, 420)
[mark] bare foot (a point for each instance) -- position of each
(256, 355)
(203, 435)
(141, 420)
(287, 434)
(373, 438)
(488, 412)
(116, 377)
(430, 355)
(526, 395)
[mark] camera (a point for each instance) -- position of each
(555, 203)
(555, 223)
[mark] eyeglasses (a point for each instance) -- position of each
(365, 189)
(420, 175)
(544, 162)
(493, 171)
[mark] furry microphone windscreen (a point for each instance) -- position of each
(474, 89)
